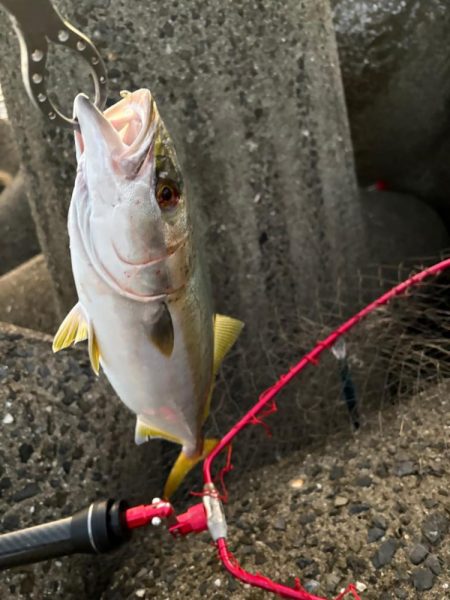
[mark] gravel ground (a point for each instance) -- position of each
(65, 441)
(371, 508)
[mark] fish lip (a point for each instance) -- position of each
(138, 104)
(82, 108)
(95, 131)
(80, 99)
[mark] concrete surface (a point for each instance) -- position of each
(257, 113)
(401, 228)
(9, 155)
(395, 64)
(253, 98)
(372, 509)
(26, 298)
(65, 441)
(18, 241)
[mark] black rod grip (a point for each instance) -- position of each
(96, 529)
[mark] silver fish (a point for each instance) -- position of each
(144, 301)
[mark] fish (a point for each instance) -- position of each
(144, 299)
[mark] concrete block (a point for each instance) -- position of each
(253, 98)
(18, 241)
(395, 58)
(9, 155)
(26, 298)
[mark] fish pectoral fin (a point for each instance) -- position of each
(144, 432)
(72, 330)
(76, 328)
(183, 465)
(226, 332)
(162, 333)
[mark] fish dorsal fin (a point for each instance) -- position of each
(76, 328)
(226, 332)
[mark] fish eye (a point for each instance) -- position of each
(167, 194)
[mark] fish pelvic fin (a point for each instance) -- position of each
(144, 432)
(226, 332)
(184, 464)
(72, 330)
(77, 328)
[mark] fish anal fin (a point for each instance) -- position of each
(226, 332)
(162, 333)
(72, 330)
(94, 350)
(183, 465)
(144, 432)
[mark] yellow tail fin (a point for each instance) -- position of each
(183, 465)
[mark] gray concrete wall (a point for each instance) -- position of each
(253, 97)
(9, 158)
(26, 298)
(18, 240)
(395, 61)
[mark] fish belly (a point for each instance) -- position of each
(167, 392)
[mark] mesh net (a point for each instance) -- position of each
(397, 352)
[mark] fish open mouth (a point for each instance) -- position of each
(127, 127)
(133, 116)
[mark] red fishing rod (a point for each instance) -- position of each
(105, 525)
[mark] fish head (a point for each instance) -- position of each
(134, 190)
